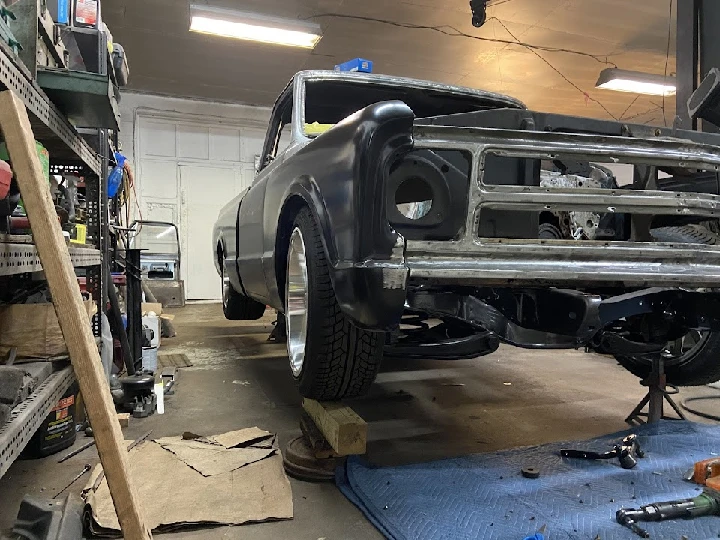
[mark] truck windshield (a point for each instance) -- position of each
(328, 102)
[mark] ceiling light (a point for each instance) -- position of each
(636, 82)
(253, 27)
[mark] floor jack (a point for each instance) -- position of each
(655, 399)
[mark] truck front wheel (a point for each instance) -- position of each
(330, 357)
(693, 359)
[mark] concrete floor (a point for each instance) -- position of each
(417, 411)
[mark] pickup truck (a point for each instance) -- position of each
(397, 217)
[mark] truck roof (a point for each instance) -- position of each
(484, 97)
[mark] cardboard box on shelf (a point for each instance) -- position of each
(34, 330)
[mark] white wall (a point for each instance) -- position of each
(162, 136)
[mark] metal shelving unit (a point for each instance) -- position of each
(22, 258)
(27, 417)
(67, 147)
(49, 125)
(85, 154)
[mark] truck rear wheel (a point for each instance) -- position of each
(330, 357)
(236, 306)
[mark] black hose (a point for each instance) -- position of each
(118, 328)
(700, 413)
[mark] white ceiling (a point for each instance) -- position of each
(166, 58)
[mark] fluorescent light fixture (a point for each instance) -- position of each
(636, 82)
(253, 27)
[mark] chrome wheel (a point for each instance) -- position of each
(680, 350)
(296, 302)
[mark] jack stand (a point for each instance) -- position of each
(655, 399)
(310, 457)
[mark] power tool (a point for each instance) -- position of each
(706, 504)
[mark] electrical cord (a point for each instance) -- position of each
(452, 31)
(556, 70)
(649, 111)
(684, 405)
(629, 106)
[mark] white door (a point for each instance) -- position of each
(204, 191)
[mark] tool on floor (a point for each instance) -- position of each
(132, 445)
(82, 473)
(138, 396)
(628, 450)
(169, 379)
(705, 504)
(706, 473)
(76, 452)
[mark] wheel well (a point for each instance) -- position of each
(289, 212)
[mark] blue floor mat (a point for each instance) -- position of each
(484, 496)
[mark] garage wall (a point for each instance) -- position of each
(190, 158)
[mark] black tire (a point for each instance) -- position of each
(341, 360)
(703, 365)
(698, 369)
(238, 307)
(685, 234)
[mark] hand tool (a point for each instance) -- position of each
(628, 450)
(85, 470)
(132, 445)
(76, 452)
(706, 504)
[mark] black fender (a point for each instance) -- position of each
(342, 177)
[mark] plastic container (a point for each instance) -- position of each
(60, 11)
(150, 359)
(41, 152)
(116, 175)
(80, 234)
(86, 13)
(57, 431)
